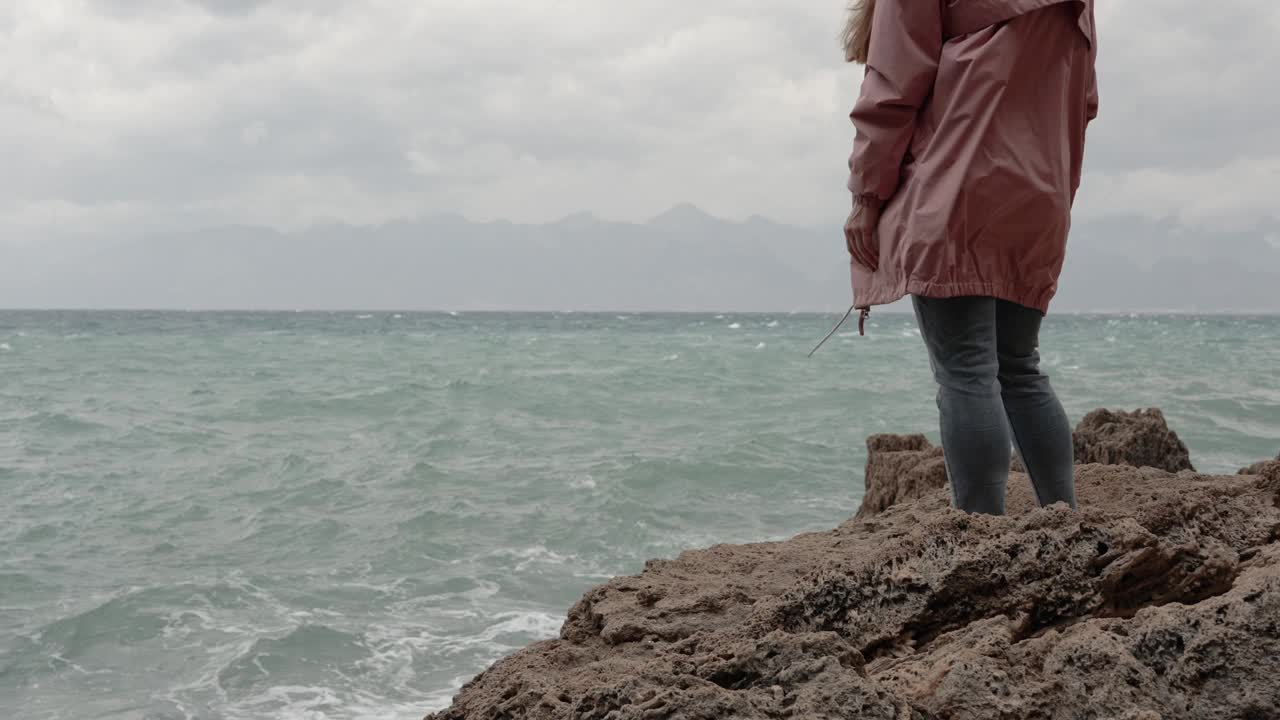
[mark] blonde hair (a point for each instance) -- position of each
(857, 31)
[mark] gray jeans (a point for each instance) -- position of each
(991, 395)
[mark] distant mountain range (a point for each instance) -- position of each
(683, 259)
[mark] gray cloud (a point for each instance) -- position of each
(124, 117)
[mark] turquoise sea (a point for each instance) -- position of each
(348, 515)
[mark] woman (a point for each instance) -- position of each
(970, 137)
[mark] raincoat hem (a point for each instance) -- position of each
(1035, 299)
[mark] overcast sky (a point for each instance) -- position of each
(122, 116)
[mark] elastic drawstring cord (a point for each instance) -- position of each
(862, 327)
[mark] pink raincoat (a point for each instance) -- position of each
(970, 133)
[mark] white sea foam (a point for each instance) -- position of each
(78, 668)
(364, 317)
(180, 624)
(735, 326)
(540, 625)
(484, 590)
(441, 699)
(585, 482)
(500, 633)
(311, 702)
(395, 587)
(534, 554)
(370, 707)
(5, 347)
(762, 346)
(288, 702)
(772, 324)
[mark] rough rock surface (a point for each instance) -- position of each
(1263, 468)
(904, 467)
(900, 468)
(1159, 599)
(1141, 438)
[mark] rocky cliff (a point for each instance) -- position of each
(1159, 599)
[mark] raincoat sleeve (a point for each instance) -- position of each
(1091, 103)
(905, 48)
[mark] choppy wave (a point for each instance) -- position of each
(317, 515)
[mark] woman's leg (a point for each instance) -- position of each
(960, 334)
(1041, 430)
